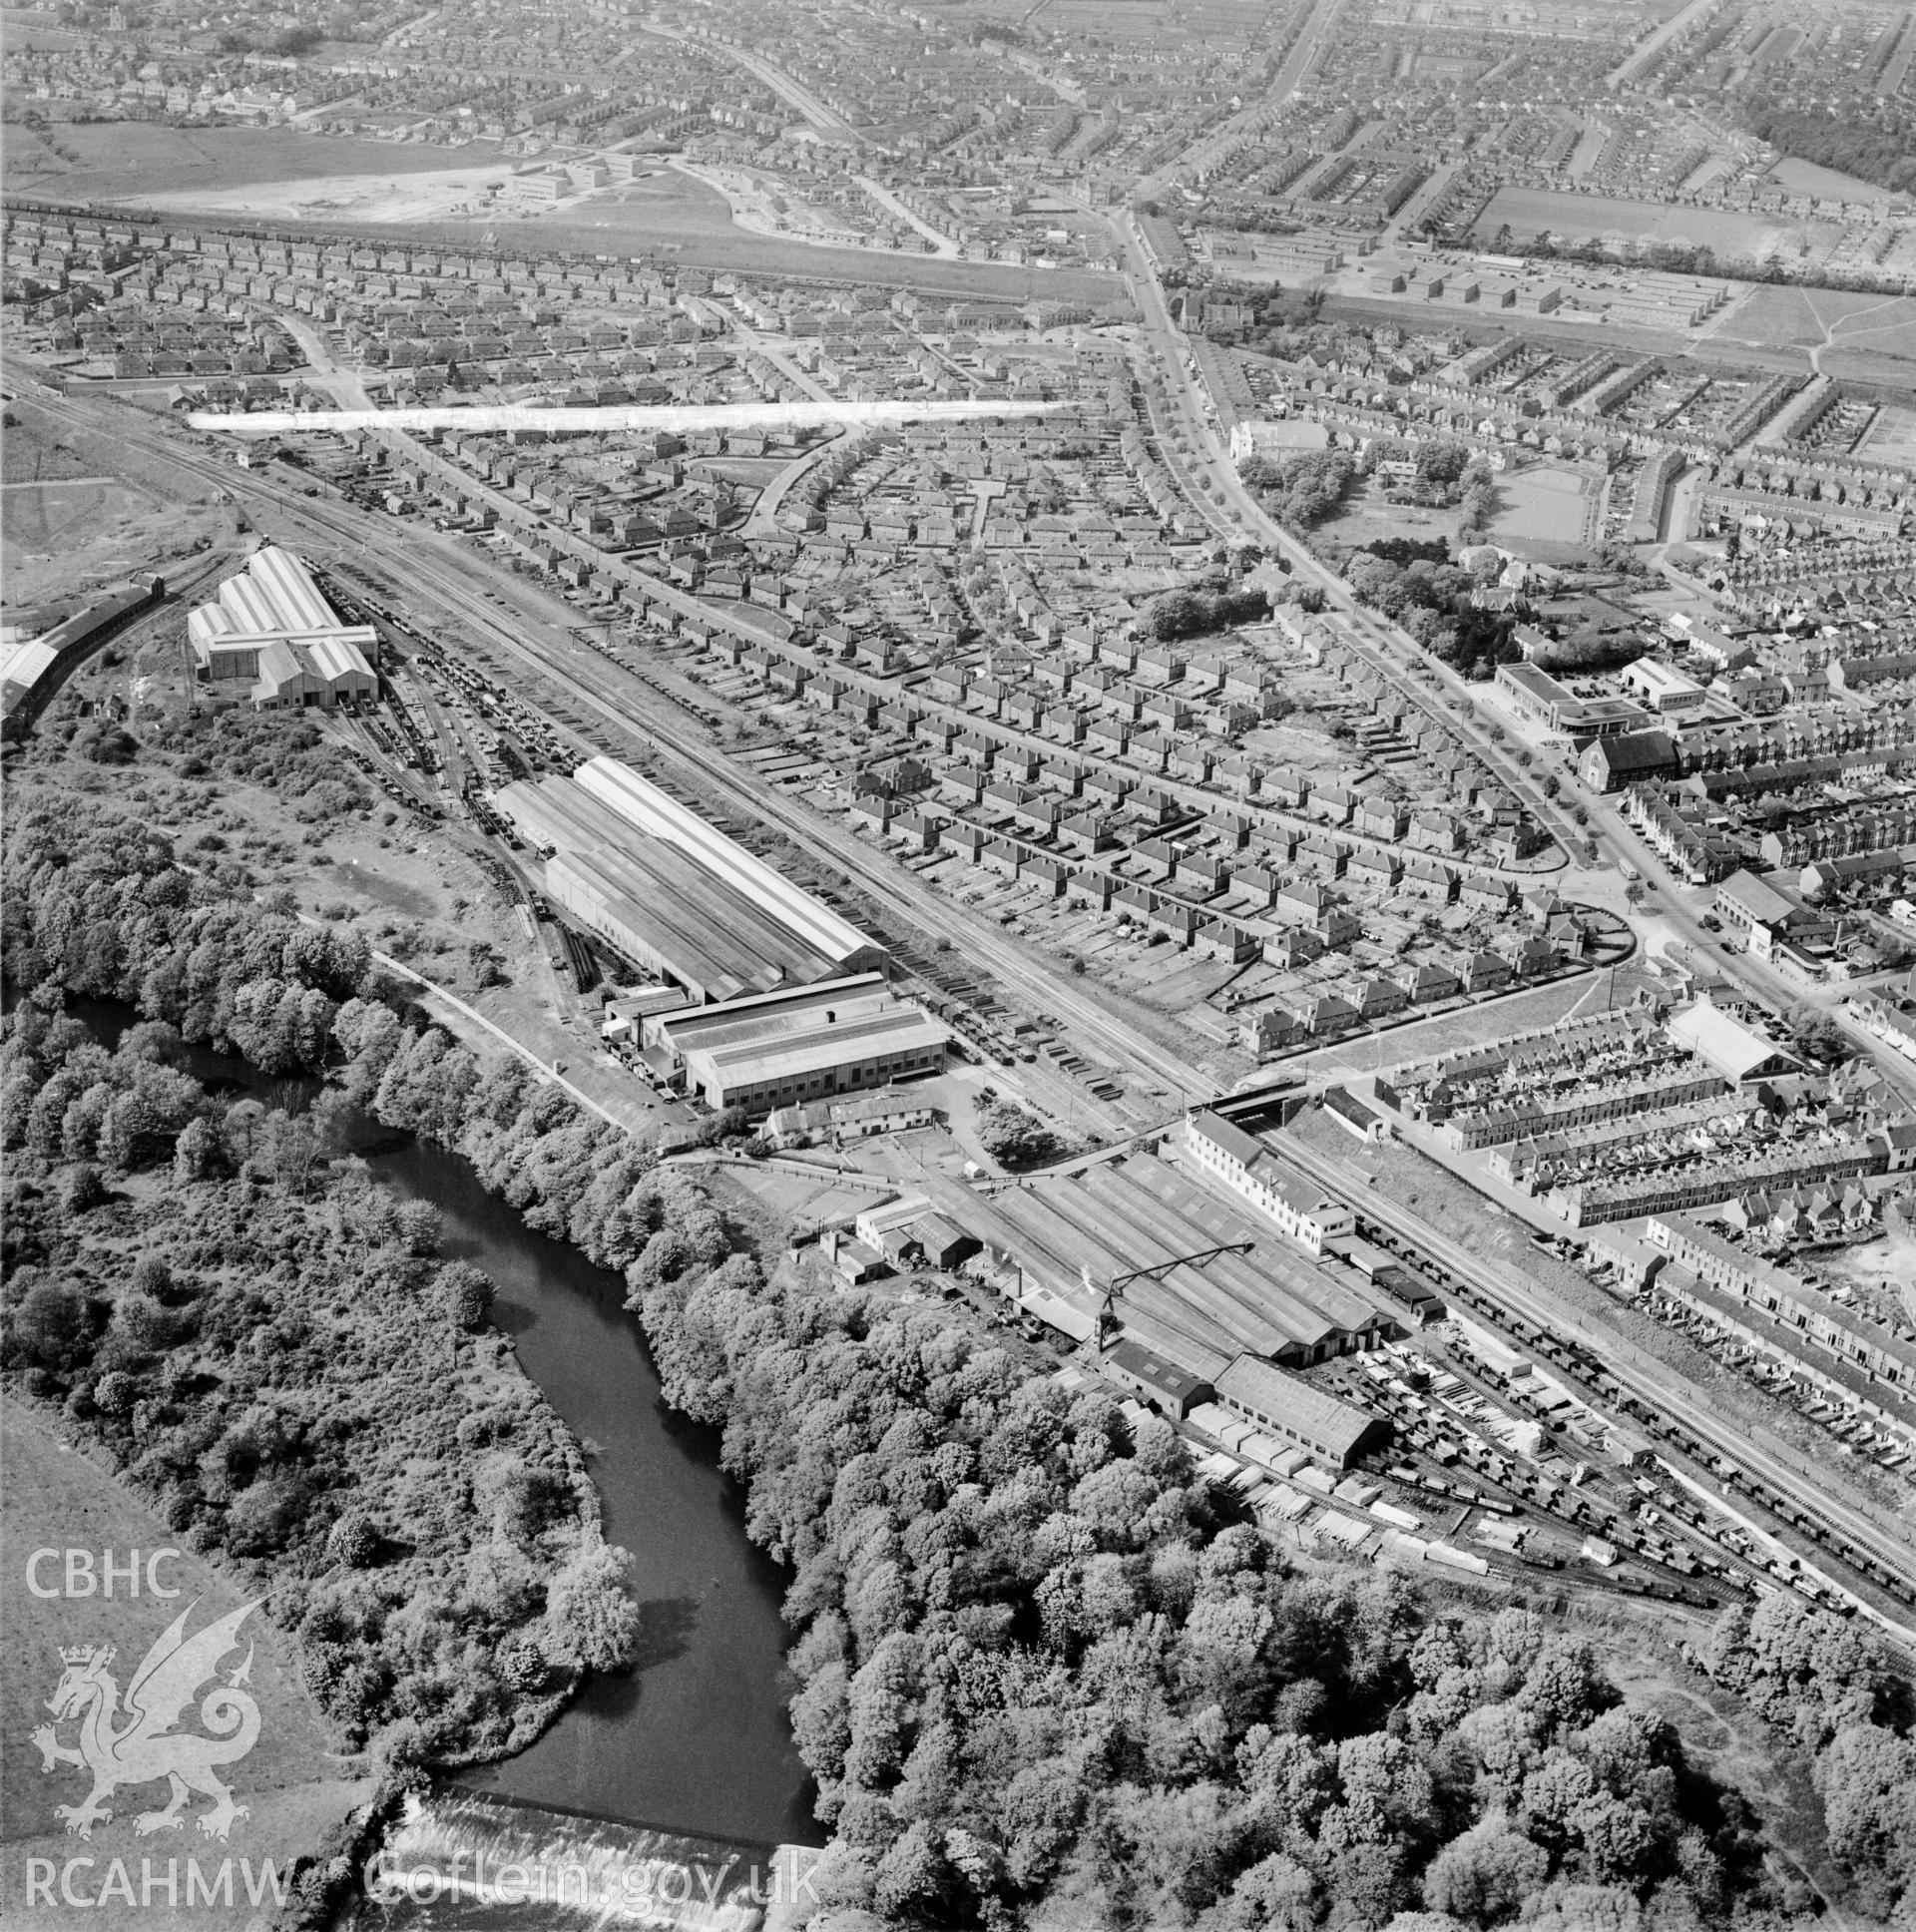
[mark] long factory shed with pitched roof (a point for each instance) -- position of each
(673, 894)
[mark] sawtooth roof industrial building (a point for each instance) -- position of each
(271, 629)
(1187, 1272)
(791, 1002)
(675, 895)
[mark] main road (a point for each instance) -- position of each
(1216, 142)
(455, 579)
(1388, 649)
(827, 120)
(1397, 657)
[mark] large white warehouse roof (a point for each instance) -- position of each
(662, 817)
(674, 894)
(275, 597)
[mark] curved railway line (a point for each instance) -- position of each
(1877, 1560)
(877, 874)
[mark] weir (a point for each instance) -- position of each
(477, 1863)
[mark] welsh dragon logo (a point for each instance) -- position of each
(146, 1746)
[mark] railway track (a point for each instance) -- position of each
(884, 879)
(1885, 1563)
(1881, 1562)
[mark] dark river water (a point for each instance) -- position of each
(695, 1736)
(694, 1739)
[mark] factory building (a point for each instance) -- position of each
(1155, 1379)
(271, 633)
(673, 894)
(1739, 1053)
(805, 1043)
(38, 654)
(23, 662)
(1289, 1408)
(1179, 1267)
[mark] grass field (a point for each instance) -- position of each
(1548, 505)
(24, 28)
(1531, 210)
(1806, 178)
(26, 155)
(1537, 1006)
(1892, 437)
(123, 158)
(1877, 327)
(1809, 315)
(293, 1784)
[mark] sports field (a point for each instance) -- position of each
(1533, 211)
(122, 159)
(1546, 504)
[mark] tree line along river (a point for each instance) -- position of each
(694, 1737)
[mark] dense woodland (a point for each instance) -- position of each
(1181, 613)
(1883, 154)
(273, 1354)
(1305, 489)
(1048, 1678)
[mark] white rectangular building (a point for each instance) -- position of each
(270, 631)
(1301, 1209)
(1663, 689)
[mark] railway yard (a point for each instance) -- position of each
(1523, 1451)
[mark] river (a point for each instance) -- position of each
(694, 1739)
